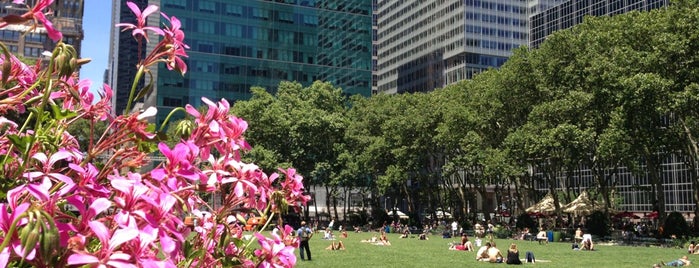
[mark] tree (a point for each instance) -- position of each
(308, 120)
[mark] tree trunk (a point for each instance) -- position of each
(693, 152)
(656, 181)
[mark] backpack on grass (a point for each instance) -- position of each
(530, 257)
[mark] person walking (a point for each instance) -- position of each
(304, 233)
(454, 228)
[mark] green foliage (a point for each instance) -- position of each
(676, 225)
(359, 218)
(526, 221)
(85, 133)
(590, 96)
(502, 232)
(598, 223)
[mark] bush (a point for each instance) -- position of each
(526, 221)
(676, 225)
(502, 232)
(598, 224)
(359, 218)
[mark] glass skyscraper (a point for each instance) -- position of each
(239, 44)
(569, 13)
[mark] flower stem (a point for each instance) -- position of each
(141, 70)
(162, 126)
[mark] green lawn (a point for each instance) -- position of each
(412, 252)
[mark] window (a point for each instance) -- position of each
(204, 67)
(234, 30)
(32, 52)
(173, 102)
(310, 20)
(286, 17)
(176, 3)
(260, 13)
(206, 47)
(234, 10)
(205, 26)
(207, 6)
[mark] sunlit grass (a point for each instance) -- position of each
(412, 252)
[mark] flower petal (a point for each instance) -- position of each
(79, 258)
(122, 235)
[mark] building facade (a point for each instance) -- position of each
(123, 55)
(236, 45)
(569, 13)
(21, 40)
(423, 45)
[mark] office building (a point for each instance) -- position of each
(124, 55)
(569, 13)
(21, 40)
(236, 45)
(423, 45)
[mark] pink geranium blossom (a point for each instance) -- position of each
(139, 29)
(97, 207)
(35, 14)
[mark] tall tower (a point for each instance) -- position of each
(239, 44)
(123, 55)
(423, 45)
(569, 13)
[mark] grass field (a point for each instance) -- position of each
(411, 252)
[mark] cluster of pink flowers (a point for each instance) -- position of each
(70, 207)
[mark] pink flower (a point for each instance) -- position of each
(36, 14)
(86, 181)
(293, 187)
(139, 30)
(108, 254)
(274, 253)
(175, 37)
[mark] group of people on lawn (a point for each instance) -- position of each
(488, 252)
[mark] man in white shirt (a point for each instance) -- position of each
(454, 228)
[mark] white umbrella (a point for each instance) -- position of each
(399, 213)
(545, 206)
(442, 214)
(582, 205)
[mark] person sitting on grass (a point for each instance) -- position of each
(482, 254)
(494, 254)
(328, 235)
(691, 248)
(525, 234)
(513, 255)
(423, 236)
(467, 245)
(587, 242)
(372, 240)
(684, 261)
(338, 246)
(541, 237)
(383, 240)
(578, 235)
(405, 234)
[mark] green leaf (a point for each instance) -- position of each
(20, 142)
(145, 90)
(60, 114)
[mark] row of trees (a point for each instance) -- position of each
(612, 92)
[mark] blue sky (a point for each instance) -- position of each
(96, 25)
